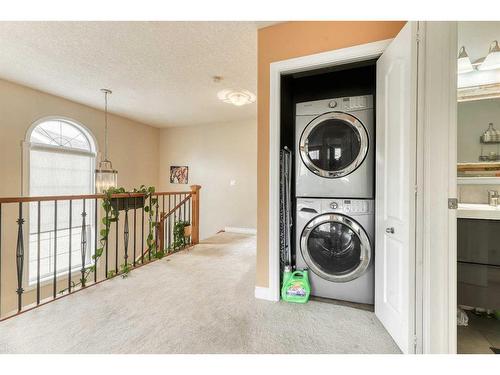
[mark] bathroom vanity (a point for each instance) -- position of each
(478, 255)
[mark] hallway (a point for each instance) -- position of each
(196, 301)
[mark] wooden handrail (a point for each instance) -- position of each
(44, 198)
(139, 230)
(167, 214)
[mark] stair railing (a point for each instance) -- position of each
(48, 243)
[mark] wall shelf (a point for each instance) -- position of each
(478, 180)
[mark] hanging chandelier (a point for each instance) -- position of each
(105, 176)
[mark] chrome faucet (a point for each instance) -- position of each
(493, 198)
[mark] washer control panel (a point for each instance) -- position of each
(355, 206)
(348, 206)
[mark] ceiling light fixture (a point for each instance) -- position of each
(492, 61)
(236, 97)
(105, 176)
(463, 62)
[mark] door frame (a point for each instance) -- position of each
(436, 280)
(347, 55)
(436, 183)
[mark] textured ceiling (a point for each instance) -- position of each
(160, 72)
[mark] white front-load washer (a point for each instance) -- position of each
(335, 240)
(335, 148)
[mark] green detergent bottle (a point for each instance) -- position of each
(296, 286)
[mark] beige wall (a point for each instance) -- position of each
(133, 149)
(284, 41)
(216, 154)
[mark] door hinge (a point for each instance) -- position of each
(419, 36)
(452, 203)
(415, 342)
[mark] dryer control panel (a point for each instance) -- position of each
(346, 104)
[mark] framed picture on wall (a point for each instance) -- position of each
(179, 174)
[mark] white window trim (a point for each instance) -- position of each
(26, 147)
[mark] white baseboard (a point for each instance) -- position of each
(265, 294)
(240, 230)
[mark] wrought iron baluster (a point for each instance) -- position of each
(125, 233)
(163, 222)
(189, 215)
(184, 209)
(175, 211)
(54, 284)
(108, 227)
(70, 242)
(38, 254)
(156, 226)
(116, 242)
(95, 240)
(169, 235)
(150, 223)
(20, 257)
(84, 242)
(142, 231)
(135, 227)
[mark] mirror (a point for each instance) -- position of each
(478, 112)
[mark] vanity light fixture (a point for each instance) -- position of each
(236, 97)
(492, 61)
(463, 62)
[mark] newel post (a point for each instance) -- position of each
(195, 221)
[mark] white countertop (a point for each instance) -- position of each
(478, 211)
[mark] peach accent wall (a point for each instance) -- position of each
(284, 41)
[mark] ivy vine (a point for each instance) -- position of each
(180, 239)
(111, 215)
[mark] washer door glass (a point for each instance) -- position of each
(335, 248)
(334, 144)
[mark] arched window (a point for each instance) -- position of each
(61, 161)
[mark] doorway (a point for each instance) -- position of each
(429, 302)
(397, 80)
(478, 183)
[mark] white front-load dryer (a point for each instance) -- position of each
(335, 240)
(335, 148)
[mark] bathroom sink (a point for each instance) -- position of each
(478, 211)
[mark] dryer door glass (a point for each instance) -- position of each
(334, 144)
(335, 247)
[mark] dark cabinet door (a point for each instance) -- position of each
(478, 241)
(478, 285)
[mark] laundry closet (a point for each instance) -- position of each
(328, 179)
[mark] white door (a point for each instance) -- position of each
(395, 187)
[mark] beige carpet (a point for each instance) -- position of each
(200, 301)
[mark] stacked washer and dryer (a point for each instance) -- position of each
(335, 218)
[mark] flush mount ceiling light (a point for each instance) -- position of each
(492, 61)
(236, 97)
(463, 62)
